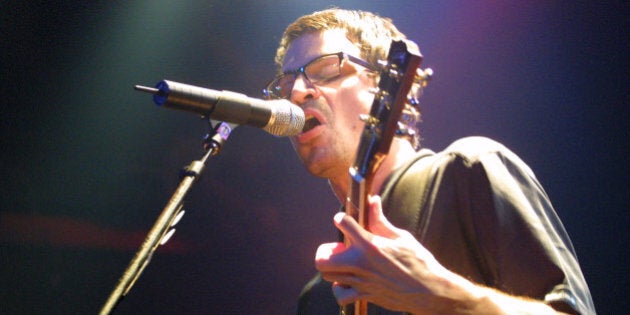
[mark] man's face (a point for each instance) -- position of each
(328, 149)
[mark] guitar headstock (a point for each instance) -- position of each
(397, 76)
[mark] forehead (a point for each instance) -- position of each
(312, 45)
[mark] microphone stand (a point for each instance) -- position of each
(163, 229)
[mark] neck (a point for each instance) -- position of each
(400, 152)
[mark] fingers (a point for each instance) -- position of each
(337, 257)
(350, 228)
(379, 224)
(366, 266)
(326, 250)
(344, 294)
(336, 261)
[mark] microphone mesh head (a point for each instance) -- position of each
(287, 119)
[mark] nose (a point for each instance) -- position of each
(303, 90)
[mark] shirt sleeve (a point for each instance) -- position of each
(521, 244)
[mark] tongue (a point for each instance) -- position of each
(310, 124)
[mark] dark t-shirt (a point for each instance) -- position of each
(483, 215)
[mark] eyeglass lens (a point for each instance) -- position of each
(321, 69)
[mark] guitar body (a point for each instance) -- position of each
(396, 78)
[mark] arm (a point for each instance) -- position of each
(389, 267)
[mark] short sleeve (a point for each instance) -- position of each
(520, 242)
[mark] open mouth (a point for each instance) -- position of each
(310, 123)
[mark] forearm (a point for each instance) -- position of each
(464, 297)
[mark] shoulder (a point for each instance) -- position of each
(480, 153)
(489, 159)
(473, 148)
(482, 150)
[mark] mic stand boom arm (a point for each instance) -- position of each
(163, 229)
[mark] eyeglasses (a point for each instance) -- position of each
(318, 70)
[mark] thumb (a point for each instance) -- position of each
(379, 225)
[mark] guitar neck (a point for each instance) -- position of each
(357, 200)
(395, 81)
(356, 204)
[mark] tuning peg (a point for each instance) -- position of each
(369, 120)
(423, 76)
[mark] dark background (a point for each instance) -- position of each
(88, 163)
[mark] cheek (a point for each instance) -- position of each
(349, 99)
(356, 90)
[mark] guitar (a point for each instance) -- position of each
(397, 76)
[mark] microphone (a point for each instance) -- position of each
(277, 117)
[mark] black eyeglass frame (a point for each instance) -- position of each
(267, 91)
